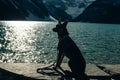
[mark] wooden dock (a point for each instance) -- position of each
(28, 71)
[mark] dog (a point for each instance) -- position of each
(67, 47)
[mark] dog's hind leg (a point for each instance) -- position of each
(78, 70)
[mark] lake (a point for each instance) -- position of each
(34, 42)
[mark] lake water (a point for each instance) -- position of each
(34, 42)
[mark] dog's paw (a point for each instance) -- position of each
(68, 72)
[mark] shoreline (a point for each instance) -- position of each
(28, 70)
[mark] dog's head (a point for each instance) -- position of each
(61, 29)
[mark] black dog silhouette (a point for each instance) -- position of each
(68, 48)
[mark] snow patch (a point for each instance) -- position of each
(57, 6)
(53, 18)
(74, 11)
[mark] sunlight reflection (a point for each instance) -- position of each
(29, 41)
(23, 31)
(20, 23)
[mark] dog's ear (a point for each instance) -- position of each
(59, 21)
(65, 23)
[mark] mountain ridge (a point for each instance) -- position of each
(39, 9)
(101, 11)
(95, 11)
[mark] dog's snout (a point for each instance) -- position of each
(54, 29)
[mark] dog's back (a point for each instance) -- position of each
(70, 49)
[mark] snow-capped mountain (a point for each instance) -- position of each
(71, 7)
(102, 11)
(42, 9)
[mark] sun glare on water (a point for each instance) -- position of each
(26, 40)
(21, 28)
(22, 33)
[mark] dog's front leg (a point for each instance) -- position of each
(59, 60)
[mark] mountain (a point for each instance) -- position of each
(23, 10)
(42, 9)
(65, 9)
(8, 11)
(101, 11)
(56, 12)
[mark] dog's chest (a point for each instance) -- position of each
(65, 44)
